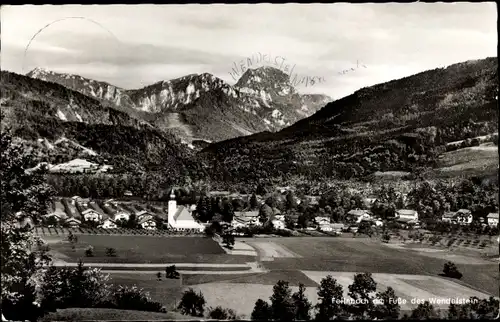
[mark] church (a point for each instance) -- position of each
(181, 217)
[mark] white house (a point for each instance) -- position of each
(147, 223)
(322, 220)
(73, 222)
(463, 217)
(238, 223)
(248, 217)
(121, 214)
(406, 215)
(492, 219)
(358, 215)
(280, 217)
(278, 224)
(108, 224)
(143, 214)
(326, 227)
(91, 215)
(180, 218)
(76, 199)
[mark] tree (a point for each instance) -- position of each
(227, 211)
(89, 252)
(330, 304)
(302, 304)
(73, 240)
(451, 270)
(132, 221)
(389, 307)
(262, 311)
(254, 204)
(220, 313)
(22, 263)
(192, 303)
(475, 309)
(424, 311)
(386, 237)
(171, 272)
(290, 202)
(110, 252)
(265, 213)
(282, 305)
(365, 227)
(362, 290)
(228, 240)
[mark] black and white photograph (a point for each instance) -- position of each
(258, 162)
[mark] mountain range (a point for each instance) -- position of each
(202, 107)
(401, 125)
(260, 128)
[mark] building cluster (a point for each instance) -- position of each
(74, 211)
(112, 214)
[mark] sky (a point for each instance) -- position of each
(132, 46)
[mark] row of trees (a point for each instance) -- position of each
(30, 287)
(151, 185)
(364, 303)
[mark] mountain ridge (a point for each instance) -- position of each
(397, 125)
(241, 109)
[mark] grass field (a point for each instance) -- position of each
(94, 314)
(166, 291)
(365, 255)
(469, 161)
(143, 249)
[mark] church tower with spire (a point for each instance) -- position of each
(172, 207)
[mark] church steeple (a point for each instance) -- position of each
(172, 207)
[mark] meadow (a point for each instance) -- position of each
(145, 249)
(368, 255)
(412, 271)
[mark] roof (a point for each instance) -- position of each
(357, 212)
(88, 210)
(244, 219)
(493, 215)
(408, 212)
(246, 213)
(449, 215)
(73, 219)
(143, 220)
(405, 220)
(464, 211)
(183, 213)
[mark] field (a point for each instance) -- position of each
(367, 255)
(412, 270)
(469, 161)
(145, 249)
(94, 314)
(241, 294)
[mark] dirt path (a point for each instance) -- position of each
(253, 267)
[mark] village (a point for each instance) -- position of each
(112, 214)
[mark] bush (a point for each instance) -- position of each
(451, 270)
(192, 303)
(134, 298)
(220, 313)
(171, 272)
(386, 237)
(79, 286)
(110, 252)
(89, 251)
